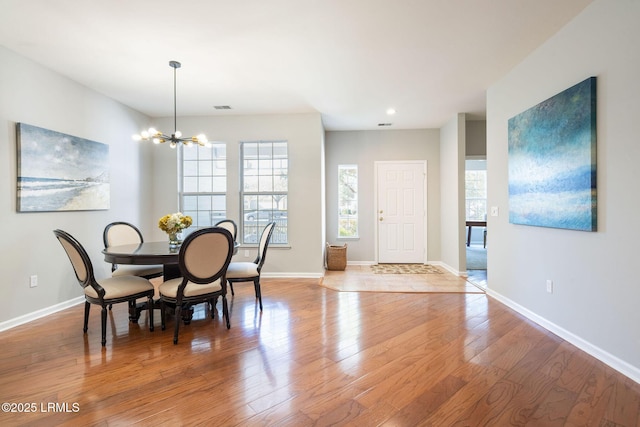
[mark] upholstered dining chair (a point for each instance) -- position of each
(250, 271)
(203, 260)
(230, 225)
(104, 292)
(122, 233)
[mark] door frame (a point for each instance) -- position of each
(376, 164)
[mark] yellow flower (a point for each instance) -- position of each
(174, 223)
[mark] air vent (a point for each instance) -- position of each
(385, 124)
(222, 107)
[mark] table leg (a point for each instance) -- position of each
(171, 271)
(469, 236)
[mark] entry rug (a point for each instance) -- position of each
(405, 269)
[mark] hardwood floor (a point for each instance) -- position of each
(315, 356)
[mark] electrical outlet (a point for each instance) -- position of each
(494, 211)
(246, 253)
(550, 286)
(33, 281)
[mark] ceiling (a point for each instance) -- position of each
(349, 60)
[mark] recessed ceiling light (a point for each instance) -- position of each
(391, 111)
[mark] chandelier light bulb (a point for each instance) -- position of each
(177, 134)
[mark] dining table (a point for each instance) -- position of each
(150, 253)
(470, 225)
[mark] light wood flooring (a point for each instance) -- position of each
(361, 278)
(313, 357)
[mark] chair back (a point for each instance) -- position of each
(121, 233)
(78, 256)
(205, 255)
(265, 238)
(230, 225)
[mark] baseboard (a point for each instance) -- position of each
(595, 351)
(449, 268)
(361, 263)
(280, 275)
(30, 317)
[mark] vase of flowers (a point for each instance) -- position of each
(173, 224)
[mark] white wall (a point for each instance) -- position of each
(596, 294)
(364, 148)
(452, 208)
(304, 133)
(32, 94)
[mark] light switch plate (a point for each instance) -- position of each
(494, 211)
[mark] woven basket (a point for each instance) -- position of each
(336, 257)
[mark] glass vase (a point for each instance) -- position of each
(174, 240)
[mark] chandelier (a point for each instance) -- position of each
(157, 137)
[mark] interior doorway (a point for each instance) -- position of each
(401, 211)
(476, 230)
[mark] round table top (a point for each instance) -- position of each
(146, 253)
(143, 253)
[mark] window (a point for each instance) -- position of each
(265, 182)
(203, 184)
(476, 190)
(347, 201)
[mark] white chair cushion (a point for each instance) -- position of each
(118, 287)
(170, 288)
(137, 270)
(242, 270)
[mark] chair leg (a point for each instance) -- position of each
(87, 307)
(104, 325)
(177, 322)
(231, 287)
(133, 316)
(212, 307)
(225, 310)
(256, 285)
(163, 316)
(150, 311)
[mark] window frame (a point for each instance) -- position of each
(280, 235)
(212, 216)
(341, 202)
(477, 167)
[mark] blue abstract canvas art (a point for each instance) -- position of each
(552, 161)
(59, 172)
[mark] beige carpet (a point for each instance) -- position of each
(405, 269)
(362, 279)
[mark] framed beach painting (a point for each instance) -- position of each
(552, 161)
(59, 172)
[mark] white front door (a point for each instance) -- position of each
(401, 211)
